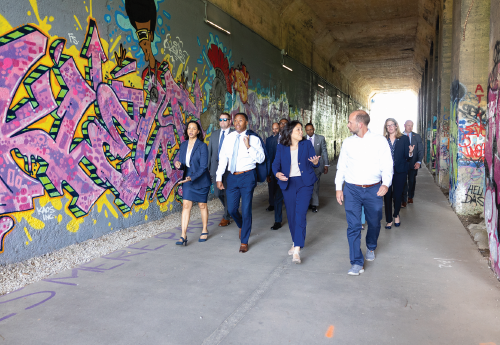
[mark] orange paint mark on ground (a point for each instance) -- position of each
(487, 344)
(329, 332)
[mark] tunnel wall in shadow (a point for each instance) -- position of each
(89, 134)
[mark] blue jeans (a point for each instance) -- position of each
(356, 197)
(241, 186)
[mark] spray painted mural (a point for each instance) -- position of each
(467, 148)
(91, 121)
(492, 163)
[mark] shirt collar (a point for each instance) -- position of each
(368, 132)
(308, 137)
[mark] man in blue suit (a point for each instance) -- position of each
(275, 194)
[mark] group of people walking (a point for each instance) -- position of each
(370, 167)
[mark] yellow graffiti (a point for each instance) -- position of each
(114, 44)
(28, 216)
(59, 218)
(41, 23)
(103, 200)
(4, 25)
(74, 224)
(56, 202)
(77, 21)
(106, 213)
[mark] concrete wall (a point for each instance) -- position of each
(492, 161)
(86, 149)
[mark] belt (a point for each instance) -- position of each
(241, 172)
(367, 185)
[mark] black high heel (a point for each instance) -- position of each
(183, 241)
(388, 226)
(203, 239)
(397, 224)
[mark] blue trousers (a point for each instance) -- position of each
(297, 197)
(241, 186)
(278, 201)
(354, 198)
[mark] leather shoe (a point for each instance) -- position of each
(403, 204)
(224, 222)
(276, 226)
(270, 208)
(244, 248)
(239, 236)
(410, 200)
(310, 207)
(315, 209)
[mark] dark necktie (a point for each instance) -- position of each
(221, 141)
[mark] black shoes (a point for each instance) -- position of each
(314, 209)
(276, 226)
(310, 207)
(270, 208)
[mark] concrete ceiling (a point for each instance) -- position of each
(377, 45)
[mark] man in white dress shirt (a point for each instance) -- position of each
(365, 161)
(241, 153)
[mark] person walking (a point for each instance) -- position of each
(275, 194)
(241, 153)
(365, 160)
(193, 159)
(401, 152)
(294, 168)
(415, 163)
(214, 146)
(319, 144)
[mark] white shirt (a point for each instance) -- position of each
(294, 165)
(247, 158)
(364, 161)
(225, 131)
(188, 157)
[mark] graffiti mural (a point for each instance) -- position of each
(492, 163)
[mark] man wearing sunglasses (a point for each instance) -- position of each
(216, 139)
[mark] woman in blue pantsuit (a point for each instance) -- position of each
(294, 166)
(193, 159)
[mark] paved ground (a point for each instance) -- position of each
(428, 285)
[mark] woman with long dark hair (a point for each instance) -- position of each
(294, 166)
(193, 159)
(401, 155)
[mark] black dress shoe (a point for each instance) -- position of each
(270, 208)
(276, 226)
(315, 209)
(310, 207)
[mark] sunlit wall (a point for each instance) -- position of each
(401, 106)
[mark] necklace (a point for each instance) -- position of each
(153, 92)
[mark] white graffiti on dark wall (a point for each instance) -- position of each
(175, 48)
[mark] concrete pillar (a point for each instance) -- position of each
(470, 47)
(443, 132)
(492, 162)
(434, 101)
(428, 116)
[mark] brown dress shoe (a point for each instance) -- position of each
(410, 201)
(224, 222)
(239, 236)
(244, 248)
(403, 204)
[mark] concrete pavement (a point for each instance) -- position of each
(428, 285)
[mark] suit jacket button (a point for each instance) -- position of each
(299, 163)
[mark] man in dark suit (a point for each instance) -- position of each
(319, 144)
(275, 194)
(216, 139)
(415, 163)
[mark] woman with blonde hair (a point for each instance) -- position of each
(401, 155)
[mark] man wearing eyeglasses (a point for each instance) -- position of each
(216, 139)
(142, 16)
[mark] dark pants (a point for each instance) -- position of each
(297, 196)
(354, 198)
(221, 194)
(277, 200)
(409, 188)
(394, 194)
(241, 186)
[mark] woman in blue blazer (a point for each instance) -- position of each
(193, 159)
(294, 166)
(401, 155)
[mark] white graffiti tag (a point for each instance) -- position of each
(175, 48)
(47, 212)
(72, 38)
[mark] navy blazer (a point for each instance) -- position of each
(200, 177)
(402, 155)
(271, 146)
(283, 161)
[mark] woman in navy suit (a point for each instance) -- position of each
(193, 159)
(294, 166)
(401, 155)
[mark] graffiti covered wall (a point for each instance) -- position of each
(93, 105)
